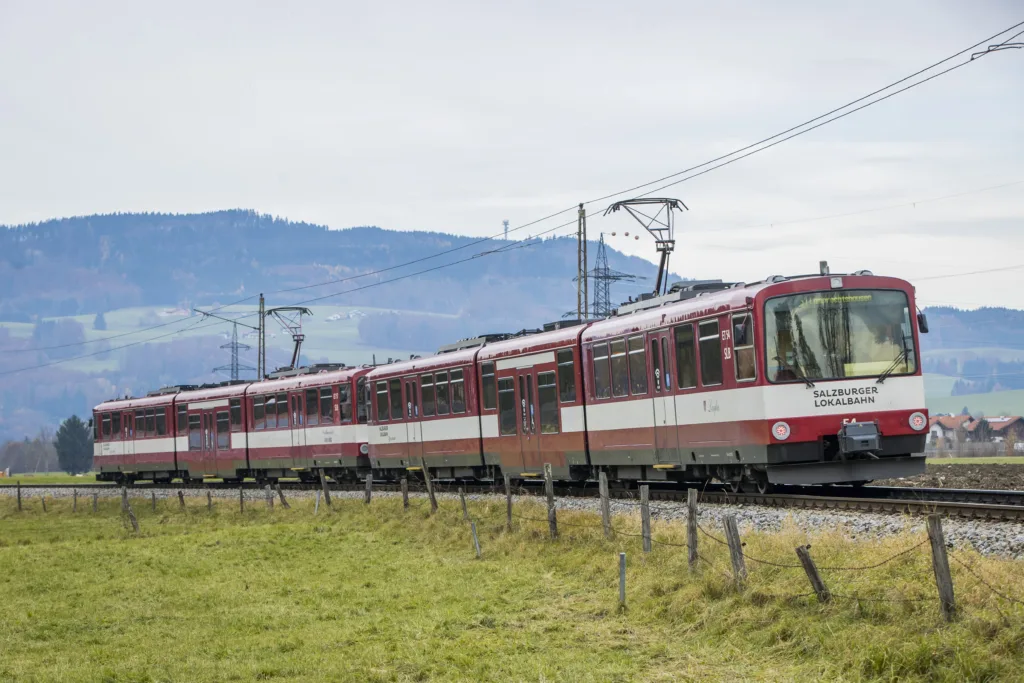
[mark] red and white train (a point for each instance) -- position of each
(801, 380)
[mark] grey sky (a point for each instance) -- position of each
(452, 116)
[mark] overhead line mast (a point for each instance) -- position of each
(582, 294)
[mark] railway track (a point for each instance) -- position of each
(965, 503)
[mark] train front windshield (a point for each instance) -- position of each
(836, 335)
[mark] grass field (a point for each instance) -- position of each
(1015, 460)
(382, 594)
(48, 478)
(994, 403)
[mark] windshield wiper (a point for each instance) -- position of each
(796, 371)
(892, 368)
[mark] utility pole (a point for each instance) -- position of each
(582, 293)
(261, 343)
(234, 368)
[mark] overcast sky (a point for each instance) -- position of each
(453, 116)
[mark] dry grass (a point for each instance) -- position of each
(382, 594)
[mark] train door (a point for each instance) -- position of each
(298, 430)
(209, 446)
(666, 438)
(529, 439)
(222, 463)
(413, 426)
(128, 439)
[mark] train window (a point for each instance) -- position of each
(327, 403)
(710, 353)
(195, 433)
(106, 425)
(95, 424)
(529, 394)
(656, 360)
(382, 401)
(150, 422)
(506, 406)
(665, 362)
(259, 419)
(282, 410)
(223, 430)
(637, 365)
(236, 414)
(362, 400)
(489, 386)
(182, 418)
(140, 424)
(395, 389)
(129, 425)
(271, 404)
(686, 357)
(116, 422)
(743, 347)
(427, 389)
(620, 372)
(312, 407)
(566, 377)
(161, 421)
(602, 379)
(458, 388)
(441, 389)
(547, 390)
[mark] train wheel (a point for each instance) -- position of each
(735, 486)
(765, 487)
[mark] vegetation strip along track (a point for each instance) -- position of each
(967, 503)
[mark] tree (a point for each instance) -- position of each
(965, 411)
(99, 322)
(74, 446)
(982, 431)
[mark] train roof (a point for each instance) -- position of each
(739, 296)
(315, 379)
(229, 391)
(540, 341)
(426, 364)
(132, 403)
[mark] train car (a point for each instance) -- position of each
(532, 405)
(210, 432)
(426, 410)
(804, 380)
(307, 423)
(133, 439)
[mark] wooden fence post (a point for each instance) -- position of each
(269, 496)
(74, 500)
(508, 502)
(804, 553)
(280, 494)
(241, 500)
(476, 541)
(325, 489)
(606, 506)
(645, 516)
(124, 499)
(691, 528)
(181, 499)
(405, 492)
(95, 501)
(131, 516)
(209, 501)
(940, 565)
(549, 489)
(153, 497)
(19, 495)
(622, 580)
(462, 499)
(316, 507)
(369, 488)
(43, 499)
(430, 486)
(732, 535)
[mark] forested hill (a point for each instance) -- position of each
(98, 263)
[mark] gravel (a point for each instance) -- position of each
(1004, 539)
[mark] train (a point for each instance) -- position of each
(791, 380)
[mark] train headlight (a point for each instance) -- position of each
(364, 448)
(780, 430)
(917, 421)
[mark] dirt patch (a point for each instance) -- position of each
(1004, 477)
